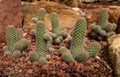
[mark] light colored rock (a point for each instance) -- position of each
(114, 53)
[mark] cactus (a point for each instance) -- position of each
(67, 57)
(19, 33)
(103, 19)
(21, 45)
(48, 57)
(8, 53)
(34, 19)
(51, 49)
(62, 50)
(11, 37)
(16, 54)
(40, 42)
(103, 28)
(82, 56)
(78, 37)
(42, 60)
(33, 31)
(55, 23)
(33, 56)
(41, 14)
(93, 48)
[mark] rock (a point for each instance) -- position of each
(114, 53)
(114, 12)
(11, 13)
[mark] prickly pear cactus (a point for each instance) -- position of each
(77, 42)
(10, 37)
(40, 42)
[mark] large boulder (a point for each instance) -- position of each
(114, 53)
(11, 13)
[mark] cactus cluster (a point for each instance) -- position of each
(58, 33)
(77, 51)
(15, 42)
(103, 28)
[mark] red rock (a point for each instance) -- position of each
(11, 13)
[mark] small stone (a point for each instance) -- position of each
(29, 71)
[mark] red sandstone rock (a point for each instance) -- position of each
(11, 13)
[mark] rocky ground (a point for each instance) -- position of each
(98, 66)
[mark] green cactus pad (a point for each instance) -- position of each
(93, 48)
(67, 57)
(55, 23)
(17, 54)
(10, 36)
(41, 14)
(103, 33)
(77, 42)
(33, 56)
(63, 34)
(19, 33)
(41, 46)
(51, 50)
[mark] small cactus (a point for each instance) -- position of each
(93, 49)
(62, 50)
(103, 19)
(11, 37)
(17, 54)
(19, 33)
(21, 45)
(55, 23)
(41, 14)
(33, 31)
(67, 57)
(41, 46)
(51, 49)
(42, 60)
(82, 56)
(34, 19)
(33, 56)
(48, 57)
(78, 37)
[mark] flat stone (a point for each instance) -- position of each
(114, 53)
(11, 13)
